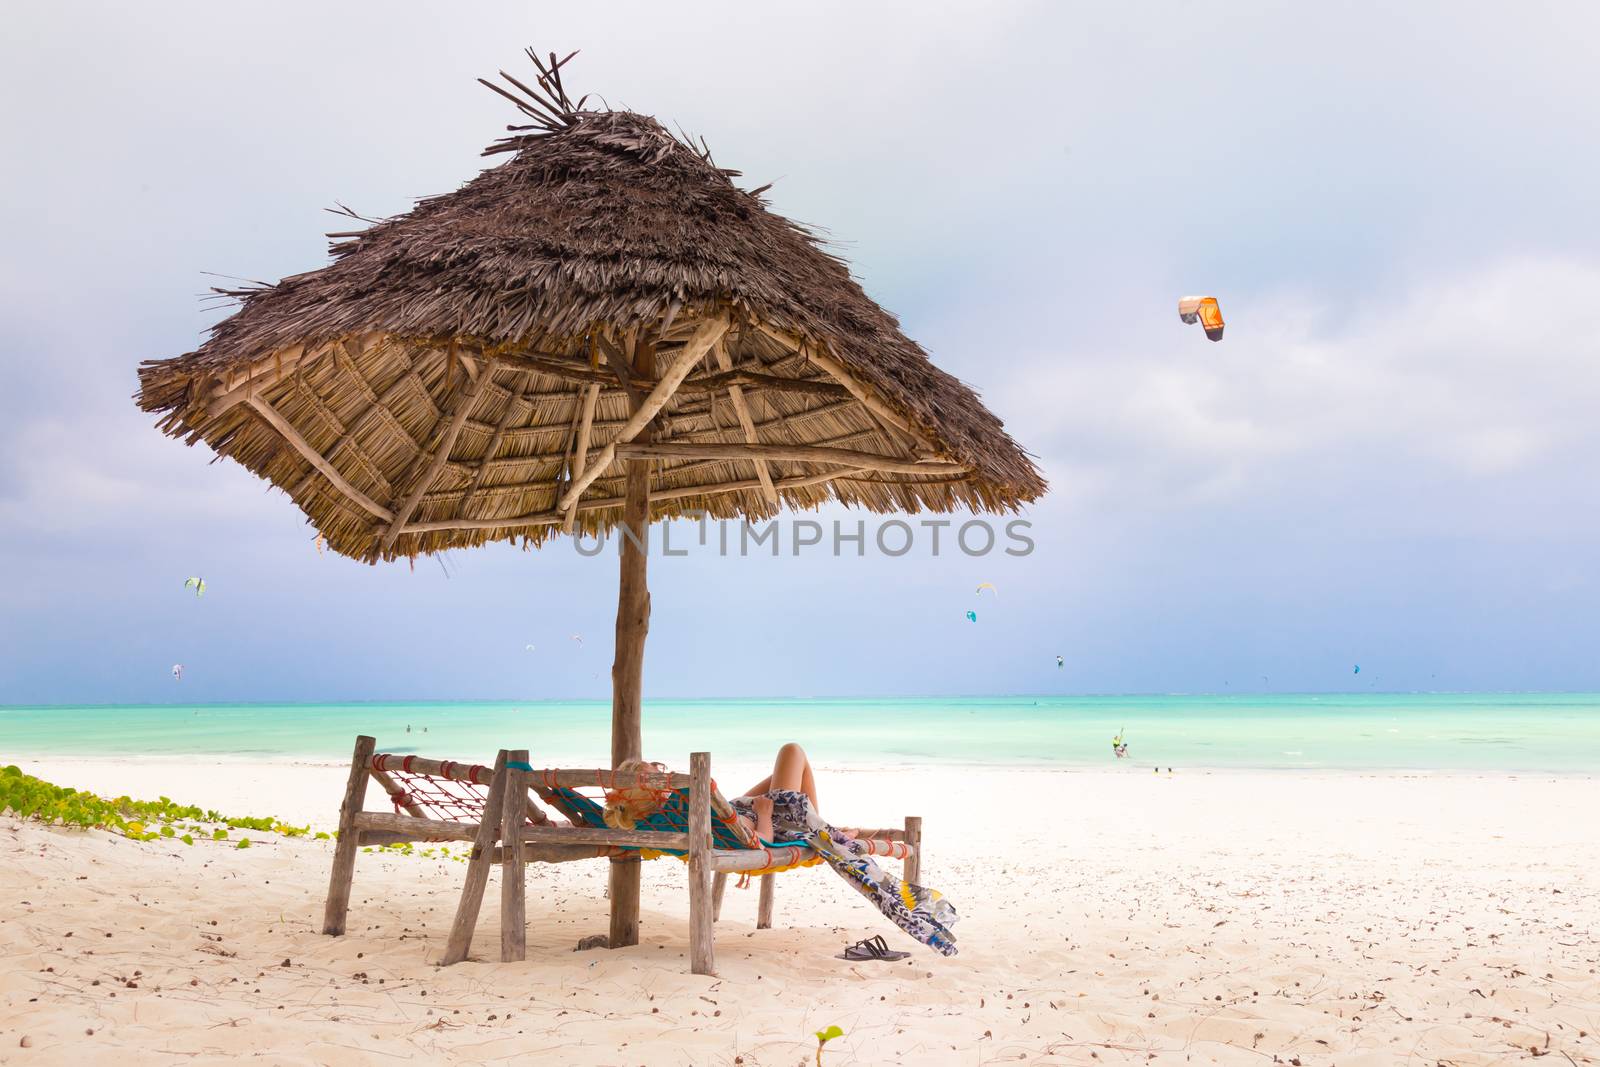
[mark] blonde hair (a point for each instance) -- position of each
(625, 806)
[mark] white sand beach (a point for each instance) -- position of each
(1245, 918)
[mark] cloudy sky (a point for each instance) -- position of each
(1391, 460)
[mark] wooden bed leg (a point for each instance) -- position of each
(764, 905)
(719, 886)
(702, 911)
(513, 886)
(466, 920)
(344, 853)
(913, 867)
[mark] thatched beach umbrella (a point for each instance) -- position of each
(601, 331)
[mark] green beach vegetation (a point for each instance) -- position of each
(28, 797)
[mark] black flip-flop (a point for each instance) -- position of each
(872, 948)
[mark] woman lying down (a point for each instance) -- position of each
(783, 807)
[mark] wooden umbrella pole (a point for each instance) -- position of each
(627, 670)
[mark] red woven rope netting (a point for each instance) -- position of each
(440, 796)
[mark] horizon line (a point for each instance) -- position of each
(1134, 695)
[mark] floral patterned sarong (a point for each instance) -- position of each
(921, 912)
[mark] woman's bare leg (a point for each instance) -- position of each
(792, 771)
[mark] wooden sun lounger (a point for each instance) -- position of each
(491, 806)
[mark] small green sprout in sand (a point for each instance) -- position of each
(244, 842)
(825, 1036)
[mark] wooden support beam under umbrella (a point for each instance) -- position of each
(601, 332)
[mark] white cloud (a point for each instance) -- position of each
(1492, 373)
(67, 476)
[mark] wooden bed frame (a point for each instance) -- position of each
(508, 816)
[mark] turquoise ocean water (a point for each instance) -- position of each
(1543, 732)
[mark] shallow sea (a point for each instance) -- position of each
(1521, 732)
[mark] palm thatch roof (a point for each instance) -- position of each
(478, 368)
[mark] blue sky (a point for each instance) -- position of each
(1390, 460)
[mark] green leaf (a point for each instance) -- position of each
(187, 839)
(244, 842)
(825, 1036)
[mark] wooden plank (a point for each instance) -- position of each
(719, 886)
(564, 468)
(416, 829)
(637, 387)
(392, 789)
(265, 370)
(513, 886)
(312, 456)
(464, 401)
(584, 835)
(895, 834)
(556, 853)
(237, 387)
(764, 905)
(843, 376)
(550, 518)
(559, 367)
(337, 905)
(741, 411)
(792, 453)
(581, 452)
(263, 376)
(846, 439)
(385, 837)
(714, 488)
(745, 859)
(913, 840)
(534, 812)
(702, 913)
(710, 331)
(627, 665)
(579, 778)
(531, 853)
(623, 885)
(623, 374)
(466, 920)
(455, 770)
(712, 383)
